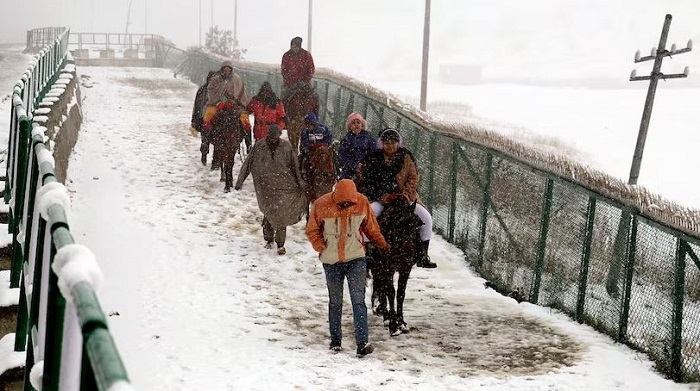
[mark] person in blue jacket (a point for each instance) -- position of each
(313, 136)
(354, 146)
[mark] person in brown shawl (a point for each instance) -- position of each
(278, 186)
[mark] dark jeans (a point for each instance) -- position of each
(356, 274)
(204, 147)
(269, 232)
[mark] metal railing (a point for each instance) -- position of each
(539, 228)
(59, 317)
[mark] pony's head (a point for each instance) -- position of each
(399, 224)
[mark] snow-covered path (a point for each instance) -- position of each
(196, 302)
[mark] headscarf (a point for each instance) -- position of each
(266, 95)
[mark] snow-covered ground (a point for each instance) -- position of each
(196, 302)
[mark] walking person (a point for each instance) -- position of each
(279, 188)
(200, 104)
(336, 226)
(267, 109)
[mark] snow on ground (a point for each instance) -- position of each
(196, 302)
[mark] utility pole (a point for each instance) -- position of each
(235, 22)
(146, 17)
(200, 23)
(308, 32)
(424, 67)
(622, 237)
(657, 55)
(211, 17)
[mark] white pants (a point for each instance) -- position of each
(426, 230)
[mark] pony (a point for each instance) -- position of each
(399, 225)
(299, 99)
(318, 172)
(227, 134)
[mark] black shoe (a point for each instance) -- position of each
(335, 346)
(426, 263)
(227, 189)
(364, 349)
(422, 255)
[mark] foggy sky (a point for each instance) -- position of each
(560, 38)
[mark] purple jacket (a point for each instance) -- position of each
(353, 149)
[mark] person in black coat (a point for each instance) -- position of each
(200, 102)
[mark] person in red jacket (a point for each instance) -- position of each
(267, 109)
(297, 66)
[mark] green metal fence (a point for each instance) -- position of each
(541, 229)
(65, 330)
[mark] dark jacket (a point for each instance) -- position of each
(200, 101)
(397, 176)
(319, 134)
(353, 149)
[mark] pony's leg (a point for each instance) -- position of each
(391, 296)
(404, 274)
(294, 133)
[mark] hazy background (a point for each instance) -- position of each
(514, 40)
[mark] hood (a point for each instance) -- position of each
(345, 191)
(227, 63)
(311, 117)
(353, 117)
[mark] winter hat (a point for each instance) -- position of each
(296, 41)
(311, 117)
(390, 134)
(354, 116)
(227, 63)
(274, 131)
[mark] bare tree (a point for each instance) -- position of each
(221, 42)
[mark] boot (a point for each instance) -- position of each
(423, 258)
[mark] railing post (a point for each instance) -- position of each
(431, 173)
(678, 298)
(20, 188)
(485, 201)
(542, 242)
(629, 272)
(585, 259)
(453, 192)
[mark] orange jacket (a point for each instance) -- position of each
(337, 233)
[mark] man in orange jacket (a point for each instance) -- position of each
(336, 224)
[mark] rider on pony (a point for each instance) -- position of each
(389, 172)
(314, 136)
(267, 109)
(354, 146)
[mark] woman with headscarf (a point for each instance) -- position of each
(355, 145)
(267, 109)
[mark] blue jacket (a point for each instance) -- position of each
(319, 134)
(353, 149)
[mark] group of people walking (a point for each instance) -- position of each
(340, 223)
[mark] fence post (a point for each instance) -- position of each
(678, 297)
(629, 269)
(453, 192)
(585, 259)
(542, 242)
(22, 163)
(486, 195)
(431, 173)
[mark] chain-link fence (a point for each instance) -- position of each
(538, 228)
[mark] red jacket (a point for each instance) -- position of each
(265, 116)
(295, 67)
